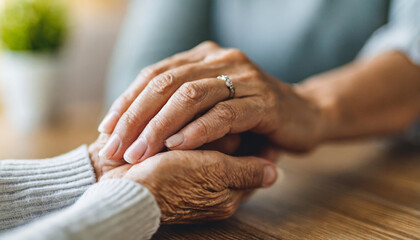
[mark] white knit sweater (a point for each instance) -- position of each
(58, 198)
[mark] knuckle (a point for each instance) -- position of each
(254, 74)
(162, 83)
(236, 54)
(125, 98)
(130, 118)
(270, 101)
(158, 125)
(190, 93)
(202, 129)
(149, 72)
(208, 45)
(225, 112)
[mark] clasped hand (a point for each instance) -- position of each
(179, 103)
(190, 186)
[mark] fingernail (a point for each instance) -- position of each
(135, 151)
(110, 147)
(109, 122)
(270, 176)
(175, 140)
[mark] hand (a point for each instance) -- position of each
(228, 145)
(196, 186)
(101, 165)
(166, 97)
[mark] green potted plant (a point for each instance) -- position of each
(31, 35)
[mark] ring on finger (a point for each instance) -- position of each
(229, 85)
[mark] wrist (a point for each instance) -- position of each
(326, 105)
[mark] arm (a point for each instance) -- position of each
(378, 96)
(365, 98)
(31, 189)
(112, 209)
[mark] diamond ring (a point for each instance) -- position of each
(229, 85)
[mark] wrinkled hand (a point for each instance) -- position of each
(229, 144)
(196, 186)
(180, 103)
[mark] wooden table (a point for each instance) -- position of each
(357, 190)
(362, 190)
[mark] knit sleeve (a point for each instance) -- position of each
(111, 209)
(30, 189)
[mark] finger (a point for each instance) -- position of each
(189, 100)
(147, 105)
(249, 172)
(123, 102)
(232, 116)
(228, 144)
(271, 153)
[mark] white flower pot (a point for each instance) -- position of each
(28, 87)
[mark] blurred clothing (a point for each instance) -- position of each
(290, 39)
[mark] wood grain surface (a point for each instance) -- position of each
(363, 190)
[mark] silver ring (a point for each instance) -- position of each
(229, 85)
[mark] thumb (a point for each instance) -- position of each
(250, 172)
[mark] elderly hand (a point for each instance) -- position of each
(180, 103)
(228, 145)
(196, 186)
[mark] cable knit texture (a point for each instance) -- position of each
(111, 209)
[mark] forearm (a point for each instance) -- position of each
(365, 98)
(32, 188)
(111, 209)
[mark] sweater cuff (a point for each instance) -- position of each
(111, 209)
(32, 188)
(117, 209)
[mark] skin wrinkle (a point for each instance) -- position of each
(183, 196)
(193, 186)
(162, 83)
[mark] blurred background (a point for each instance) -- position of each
(60, 80)
(55, 55)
